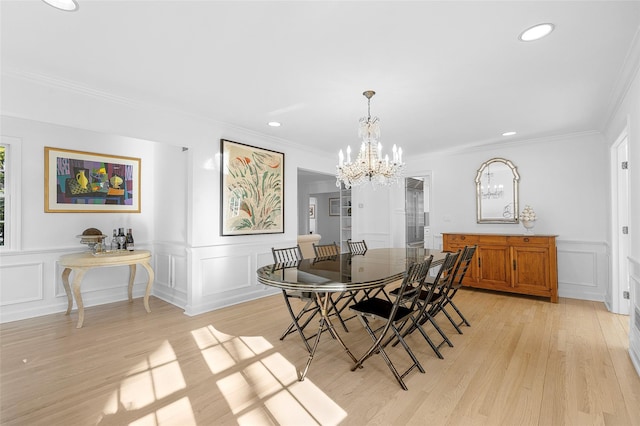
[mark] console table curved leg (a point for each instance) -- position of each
(77, 279)
(67, 289)
(147, 292)
(132, 277)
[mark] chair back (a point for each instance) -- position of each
(407, 294)
(326, 250)
(444, 277)
(463, 265)
(286, 255)
(357, 247)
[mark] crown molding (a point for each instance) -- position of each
(103, 96)
(491, 144)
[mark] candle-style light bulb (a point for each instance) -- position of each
(341, 158)
(348, 154)
(399, 155)
(395, 153)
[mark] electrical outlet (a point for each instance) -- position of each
(625, 294)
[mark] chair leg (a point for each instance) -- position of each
(464, 320)
(416, 326)
(336, 312)
(378, 348)
(437, 327)
(456, 326)
(295, 325)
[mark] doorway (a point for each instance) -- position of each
(417, 209)
(315, 189)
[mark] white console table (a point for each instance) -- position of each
(80, 263)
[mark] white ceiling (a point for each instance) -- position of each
(446, 73)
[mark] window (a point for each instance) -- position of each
(10, 149)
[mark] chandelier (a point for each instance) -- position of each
(491, 193)
(369, 166)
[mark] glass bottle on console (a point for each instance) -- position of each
(129, 240)
(114, 241)
(122, 239)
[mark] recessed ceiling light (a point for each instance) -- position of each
(536, 32)
(508, 133)
(273, 124)
(66, 5)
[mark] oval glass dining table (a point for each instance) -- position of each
(323, 276)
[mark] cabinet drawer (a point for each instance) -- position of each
(460, 239)
(499, 240)
(528, 241)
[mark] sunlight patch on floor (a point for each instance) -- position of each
(272, 382)
(157, 377)
(262, 388)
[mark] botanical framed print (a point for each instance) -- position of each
(252, 190)
(87, 182)
(312, 211)
(334, 206)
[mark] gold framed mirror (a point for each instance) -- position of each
(497, 192)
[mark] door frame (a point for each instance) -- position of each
(620, 244)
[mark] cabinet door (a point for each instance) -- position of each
(494, 270)
(453, 243)
(531, 270)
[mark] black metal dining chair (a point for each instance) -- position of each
(289, 256)
(461, 270)
(429, 300)
(326, 250)
(341, 301)
(394, 316)
(357, 247)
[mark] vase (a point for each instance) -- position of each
(528, 225)
(82, 180)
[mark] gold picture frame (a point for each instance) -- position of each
(88, 182)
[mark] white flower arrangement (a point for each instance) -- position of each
(528, 215)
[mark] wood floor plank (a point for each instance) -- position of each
(523, 361)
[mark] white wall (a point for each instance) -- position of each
(565, 179)
(195, 267)
(627, 117)
(30, 282)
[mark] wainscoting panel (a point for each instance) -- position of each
(170, 268)
(583, 269)
(225, 275)
(21, 283)
(31, 284)
(222, 274)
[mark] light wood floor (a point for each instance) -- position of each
(524, 361)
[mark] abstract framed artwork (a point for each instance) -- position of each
(87, 182)
(252, 190)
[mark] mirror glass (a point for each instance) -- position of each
(497, 192)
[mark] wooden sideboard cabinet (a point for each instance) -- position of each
(524, 264)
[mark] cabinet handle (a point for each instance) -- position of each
(526, 240)
(463, 237)
(514, 264)
(479, 263)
